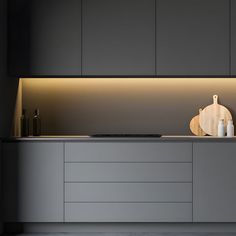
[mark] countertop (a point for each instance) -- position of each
(82, 138)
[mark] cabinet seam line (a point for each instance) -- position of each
(230, 35)
(155, 38)
(64, 182)
(192, 180)
(81, 11)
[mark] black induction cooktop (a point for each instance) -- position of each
(126, 135)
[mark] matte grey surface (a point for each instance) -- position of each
(128, 152)
(233, 37)
(55, 37)
(214, 182)
(128, 172)
(128, 192)
(192, 37)
(128, 212)
(33, 182)
(8, 85)
(45, 37)
(18, 37)
(118, 37)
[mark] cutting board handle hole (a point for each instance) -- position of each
(215, 99)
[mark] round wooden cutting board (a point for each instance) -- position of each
(210, 116)
(195, 126)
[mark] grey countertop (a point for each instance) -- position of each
(80, 138)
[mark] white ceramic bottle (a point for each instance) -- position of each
(221, 128)
(230, 128)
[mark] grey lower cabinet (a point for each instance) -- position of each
(118, 38)
(44, 38)
(119, 181)
(192, 37)
(128, 182)
(214, 176)
(33, 182)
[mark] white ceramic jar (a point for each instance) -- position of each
(221, 128)
(230, 128)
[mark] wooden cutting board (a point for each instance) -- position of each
(195, 126)
(210, 116)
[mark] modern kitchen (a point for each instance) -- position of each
(117, 117)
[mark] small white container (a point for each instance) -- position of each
(221, 128)
(230, 129)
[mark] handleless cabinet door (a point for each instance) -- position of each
(192, 37)
(233, 38)
(44, 37)
(214, 185)
(118, 37)
(33, 182)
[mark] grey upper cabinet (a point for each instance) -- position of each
(33, 182)
(44, 38)
(121, 38)
(233, 37)
(214, 175)
(118, 38)
(192, 37)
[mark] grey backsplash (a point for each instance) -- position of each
(88, 106)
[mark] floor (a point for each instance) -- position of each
(127, 234)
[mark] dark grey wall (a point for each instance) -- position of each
(8, 86)
(85, 106)
(2, 71)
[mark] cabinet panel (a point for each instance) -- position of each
(33, 182)
(128, 212)
(233, 37)
(118, 37)
(192, 37)
(45, 37)
(128, 152)
(214, 182)
(128, 192)
(128, 172)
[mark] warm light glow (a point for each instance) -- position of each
(72, 106)
(133, 85)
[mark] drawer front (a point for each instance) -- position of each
(128, 172)
(128, 192)
(128, 212)
(128, 152)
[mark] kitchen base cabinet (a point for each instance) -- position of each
(128, 172)
(128, 152)
(128, 192)
(33, 182)
(128, 212)
(214, 176)
(119, 181)
(128, 182)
